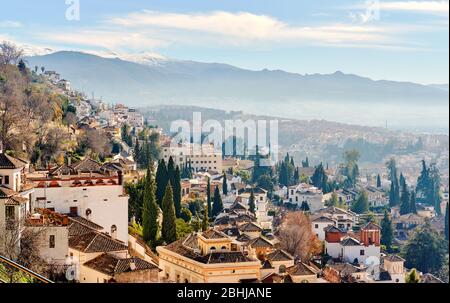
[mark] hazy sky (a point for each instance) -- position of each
(398, 40)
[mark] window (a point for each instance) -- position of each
(74, 211)
(10, 215)
(51, 241)
(114, 231)
(316, 226)
(361, 252)
(7, 180)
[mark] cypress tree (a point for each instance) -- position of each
(296, 176)
(149, 209)
(387, 231)
(412, 204)
(361, 205)
(169, 227)
(171, 170)
(224, 184)
(205, 221)
(405, 200)
(162, 180)
(217, 204)
(177, 191)
(137, 151)
(378, 181)
(208, 197)
(251, 202)
(446, 222)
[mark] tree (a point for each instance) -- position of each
(425, 250)
(185, 214)
(224, 184)
(319, 179)
(169, 228)
(394, 193)
(177, 191)
(446, 222)
(137, 151)
(208, 198)
(217, 204)
(149, 209)
(379, 181)
(183, 228)
(305, 163)
(361, 205)
(296, 236)
(350, 168)
(412, 203)
(162, 179)
(423, 183)
(251, 202)
(333, 201)
(22, 67)
(405, 200)
(305, 207)
(205, 221)
(265, 182)
(412, 276)
(387, 231)
(9, 53)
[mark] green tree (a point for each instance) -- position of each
(185, 214)
(446, 222)
(387, 231)
(205, 220)
(149, 209)
(169, 229)
(405, 200)
(208, 198)
(412, 203)
(394, 193)
(177, 191)
(305, 206)
(137, 151)
(265, 182)
(251, 202)
(350, 168)
(379, 181)
(183, 228)
(224, 184)
(162, 179)
(333, 201)
(425, 250)
(217, 204)
(412, 276)
(361, 205)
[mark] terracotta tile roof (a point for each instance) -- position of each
(250, 227)
(213, 234)
(371, 226)
(87, 223)
(8, 162)
(95, 242)
(111, 265)
(6, 192)
(394, 258)
(279, 255)
(301, 269)
(260, 242)
(14, 200)
(188, 247)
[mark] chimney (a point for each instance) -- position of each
(1, 147)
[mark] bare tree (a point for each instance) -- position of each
(296, 236)
(9, 53)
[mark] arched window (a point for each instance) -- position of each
(224, 248)
(114, 231)
(212, 249)
(88, 213)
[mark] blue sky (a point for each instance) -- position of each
(396, 40)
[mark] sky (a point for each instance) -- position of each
(394, 40)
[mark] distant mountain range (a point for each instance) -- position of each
(151, 80)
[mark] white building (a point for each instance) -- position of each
(201, 157)
(84, 190)
(300, 193)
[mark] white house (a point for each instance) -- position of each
(303, 192)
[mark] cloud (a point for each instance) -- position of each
(105, 39)
(433, 7)
(425, 7)
(245, 27)
(10, 24)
